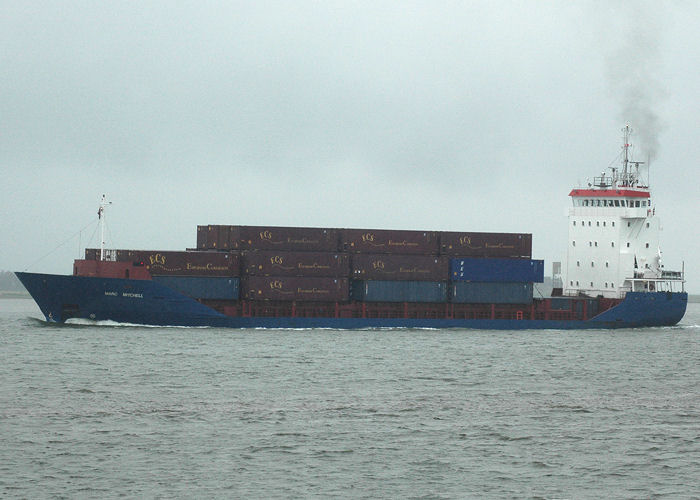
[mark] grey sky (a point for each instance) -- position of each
(413, 115)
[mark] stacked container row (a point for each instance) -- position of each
(312, 239)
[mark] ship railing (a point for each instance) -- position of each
(603, 181)
(662, 284)
(672, 275)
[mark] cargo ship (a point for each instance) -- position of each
(308, 277)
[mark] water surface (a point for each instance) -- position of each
(108, 411)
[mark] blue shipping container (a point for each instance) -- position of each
(468, 292)
(399, 291)
(497, 270)
(201, 287)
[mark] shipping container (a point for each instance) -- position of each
(214, 237)
(389, 241)
(397, 267)
(291, 239)
(167, 262)
(199, 287)
(497, 270)
(399, 291)
(202, 237)
(109, 269)
(322, 264)
(511, 245)
(295, 288)
(92, 254)
(188, 263)
(467, 292)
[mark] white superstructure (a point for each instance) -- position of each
(613, 244)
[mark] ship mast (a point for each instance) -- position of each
(101, 217)
(627, 177)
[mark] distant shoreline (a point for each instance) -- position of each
(14, 295)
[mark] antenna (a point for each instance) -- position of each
(648, 169)
(101, 216)
(627, 131)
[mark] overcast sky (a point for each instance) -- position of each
(465, 116)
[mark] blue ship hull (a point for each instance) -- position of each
(150, 303)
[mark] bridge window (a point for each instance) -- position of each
(574, 223)
(647, 245)
(613, 224)
(591, 284)
(644, 203)
(592, 264)
(628, 224)
(612, 244)
(589, 223)
(597, 223)
(607, 264)
(590, 243)
(647, 224)
(617, 203)
(628, 244)
(596, 243)
(573, 243)
(603, 223)
(577, 283)
(585, 203)
(578, 263)
(636, 204)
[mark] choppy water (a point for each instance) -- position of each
(107, 411)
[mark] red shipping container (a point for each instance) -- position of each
(389, 241)
(509, 245)
(267, 263)
(295, 288)
(109, 269)
(396, 267)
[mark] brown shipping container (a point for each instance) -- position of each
(510, 245)
(305, 239)
(266, 263)
(389, 241)
(172, 263)
(399, 267)
(202, 237)
(221, 238)
(92, 254)
(295, 288)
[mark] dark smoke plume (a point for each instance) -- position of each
(632, 70)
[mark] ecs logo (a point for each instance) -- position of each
(157, 259)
